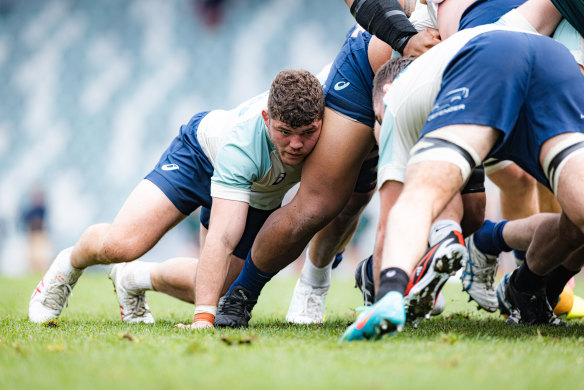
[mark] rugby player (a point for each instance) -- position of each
(474, 113)
(240, 162)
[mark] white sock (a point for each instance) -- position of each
(314, 276)
(137, 275)
(441, 229)
(64, 267)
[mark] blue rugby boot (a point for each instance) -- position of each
(387, 316)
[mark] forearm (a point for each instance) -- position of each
(211, 272)
(386, 19)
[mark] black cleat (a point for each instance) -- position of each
(364, 283)
(533, 307)
(234, 310)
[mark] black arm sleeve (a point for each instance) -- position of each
(573, 11)
(385, 19)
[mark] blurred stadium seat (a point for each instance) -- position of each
(92, 92)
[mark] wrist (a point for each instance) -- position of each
(205, 313)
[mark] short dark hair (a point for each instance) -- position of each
(388, 72)
(296, 98)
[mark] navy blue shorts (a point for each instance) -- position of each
(350, 80)
(348, 91)
(525, 85)
(254, 222)
(184, 172)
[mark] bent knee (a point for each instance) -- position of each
(571, 231)
(120, 250)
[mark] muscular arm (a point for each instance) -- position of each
(226, 227)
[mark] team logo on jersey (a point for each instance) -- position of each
(169, 167)
(451, 102)
(280, 178)
(341, 85)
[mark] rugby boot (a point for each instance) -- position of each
(386, 316)
(364, 283)
(234, 310)
(52, 293)
(533, 307)
(307, 304)
(478, 277)
(434, 269)
(133, 306)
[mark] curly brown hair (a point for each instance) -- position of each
(296, 98)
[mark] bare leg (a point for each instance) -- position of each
(144, 218)
(428, 188)
(176, 277)
(553, 242)
(518, 194)
(336, 235)
(518, 234)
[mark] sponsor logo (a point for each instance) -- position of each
(169, 167)
(341, 85)
(581, 116)
(390, 273)
(280, 178)
(453, 103)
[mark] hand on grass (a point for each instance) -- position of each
(199, 325)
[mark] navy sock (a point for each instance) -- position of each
(489, 238)
(251, 278)
(519, 256)
(555, 282)
(370, 267)
(338, 258)
(526, 280)
(392, 279)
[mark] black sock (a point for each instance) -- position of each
(556, 281)
(392, 279)
(526, 280)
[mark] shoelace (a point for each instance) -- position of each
(138, 304)
(57, 296)
(235, 306)
(484, 274)
(314, 305)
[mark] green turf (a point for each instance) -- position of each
(90, 348)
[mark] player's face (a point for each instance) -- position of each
(293, 144)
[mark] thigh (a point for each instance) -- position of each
(144, 218)
(571, 188)
(330, 172)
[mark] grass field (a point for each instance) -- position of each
(91, 349)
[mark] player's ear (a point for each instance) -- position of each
(266, 117)
(386, 87)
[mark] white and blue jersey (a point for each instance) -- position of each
(246, 165)
(227, 154)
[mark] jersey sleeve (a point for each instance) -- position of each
(389, 167)
(235, 171)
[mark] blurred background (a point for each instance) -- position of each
(92, 92)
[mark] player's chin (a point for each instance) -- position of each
(293, 158)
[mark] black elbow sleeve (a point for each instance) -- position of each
(385, 19)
